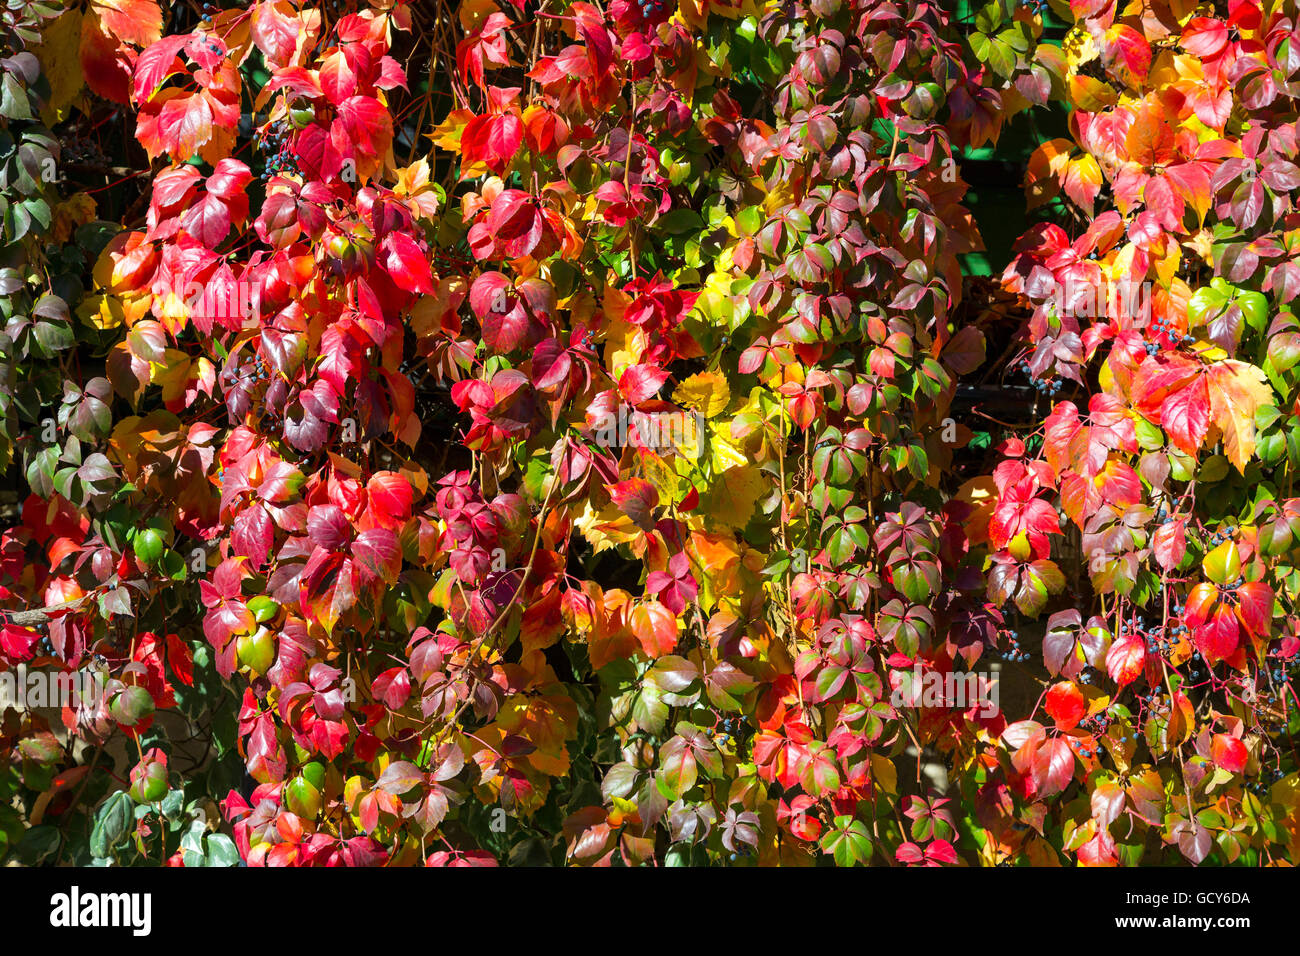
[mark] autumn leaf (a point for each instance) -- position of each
(1172, 392)
(1045, 171)
(637, 499)
(706, 392)
(1125, 660)
(1066, 704)
(138, 22)
(1236, 391)
(730, 498)
(655, 627)
(1228, 752)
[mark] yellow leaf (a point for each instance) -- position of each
(1079, 47)
(101, 311)
(1091, 94)
(730, 499)
(606, 528)
(982, 494)
(60, 58)
(670, 486)
(474, 12)
(723, 452)
(1202, 243)
(1237, 390)
(1167, 265)
(624, 344)
(884, 772)
(1083, 181)
(76, 210)
(173, 374)
(446, 134)
(716, 563)
(413, 185)
(707, 392)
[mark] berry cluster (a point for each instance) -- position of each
(277, 140)
(1045, 385)
(1014, 652)
(1267, 777)
(1098, 724)
(1277, 668)
(82, 152)
(1152, 701)
(653, 9)
(724, 736)
(729, 729)
(1227, 534)
(1166, 331)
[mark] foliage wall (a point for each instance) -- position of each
(549, 432)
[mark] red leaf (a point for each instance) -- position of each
(408, 264)
(104, 62)
(1127, 55)
(328, 527)
(1066, 704)
(1218, 637)
(17, 643)
(1172, 392)
(1228, 752)
(516, 223)
(1053, 767)
(393, 687)
(1150, 140)
(252, 534)
(1125, 659)
(377, 555)
(138, 22)
(1099, 851)
(155, 64)
(1194, 840)
(180, 659)
(637, 499)
(1255, 607)
(1170, 543)
(368, 124)
(655, 627)
(274, 33)
(942, 851)
(1204, 37)
(229, 180)
(493, 139)
(390, 497)
(641, 382)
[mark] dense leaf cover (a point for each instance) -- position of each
(556, 432)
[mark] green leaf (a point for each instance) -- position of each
(112, 823)
(848, 841)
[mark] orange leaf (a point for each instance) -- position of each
(138, 22)
(655, 627)
(1237, 390)
(1065, 704)
(1046, 166)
